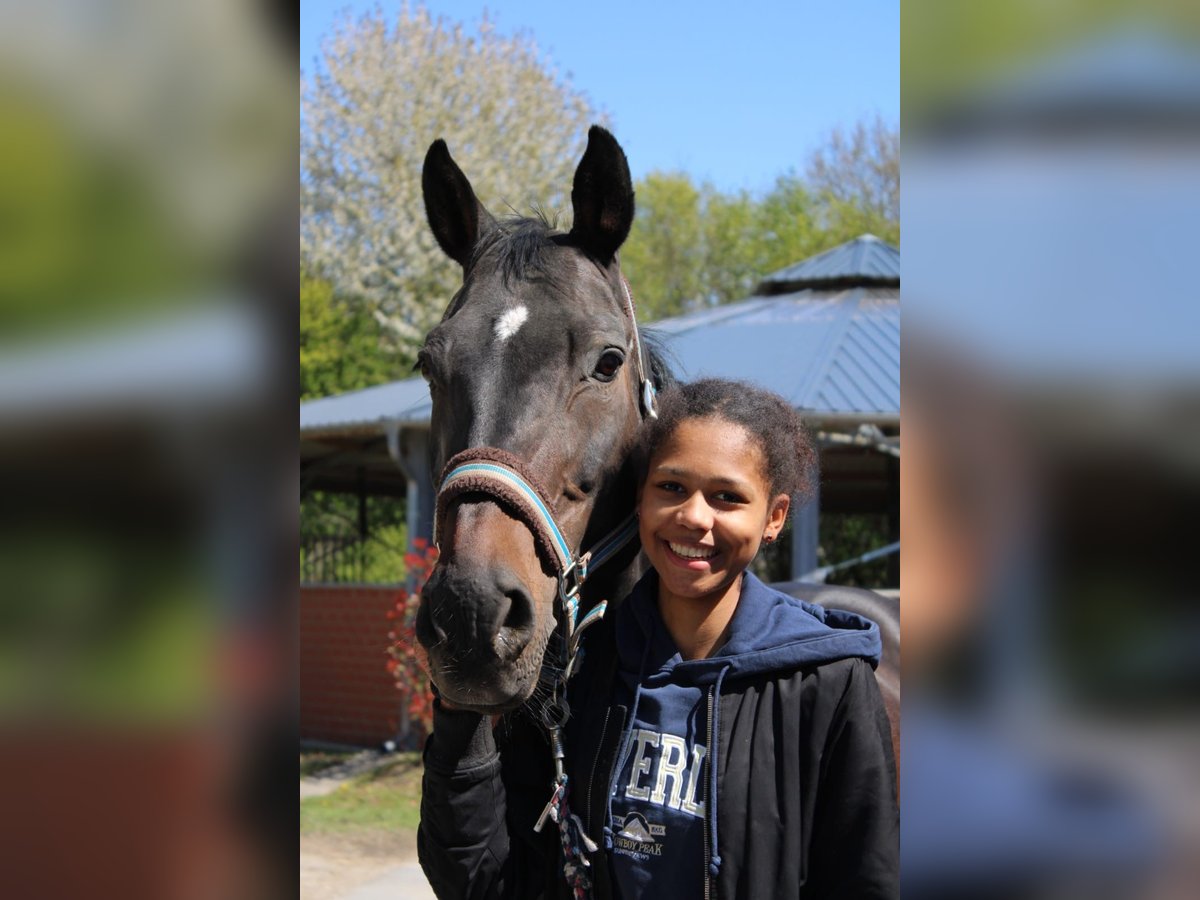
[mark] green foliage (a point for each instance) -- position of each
(84, 236)
(693, 245)
(333, 550)
(387, 85)
(386, 799)
(845, 536)
(856, 179)
(950, 47)
(342, 347)
(664, 255)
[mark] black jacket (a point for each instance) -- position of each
(805, 776)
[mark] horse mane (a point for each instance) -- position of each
(662, 372)
(518, 242)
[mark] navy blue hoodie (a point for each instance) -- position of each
(788, 710)
(659, 821)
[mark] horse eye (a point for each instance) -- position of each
(422, 366)
(609, 364)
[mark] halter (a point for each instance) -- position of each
(648, 394)
(504, 477)
(500, 474)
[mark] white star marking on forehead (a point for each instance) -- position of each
(510, 323)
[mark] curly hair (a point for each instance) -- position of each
(787, 447)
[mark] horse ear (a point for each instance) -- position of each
(602, 196)
(457, 219)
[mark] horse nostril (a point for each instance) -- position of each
(427, 629)
(520, 610)
(515, 617)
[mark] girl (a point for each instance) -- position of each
(727, 740)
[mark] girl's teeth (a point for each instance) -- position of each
(692, 552)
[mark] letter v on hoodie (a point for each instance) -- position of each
(789, 672)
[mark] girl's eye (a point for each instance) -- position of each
(728, 497)
(609, 364)
(670, 487)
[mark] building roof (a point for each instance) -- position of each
(403, 401)
(835, 353)
(202, 357)
(1133, 76)
(866, 260)
(832, 351)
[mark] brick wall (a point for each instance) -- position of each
(346, 694)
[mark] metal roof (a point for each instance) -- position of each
(403, 401)
(205, 356)
(862, 261)
(1129, 77)
(830, 352)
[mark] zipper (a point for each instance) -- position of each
(595, 762)
(707, 803)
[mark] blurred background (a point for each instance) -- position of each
(147, 332)
(149, 523)
(1052, 458)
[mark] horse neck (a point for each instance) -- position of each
(614, 582)
(616, 579)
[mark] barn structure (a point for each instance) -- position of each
(825, 333)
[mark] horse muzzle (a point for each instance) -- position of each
(479, 626)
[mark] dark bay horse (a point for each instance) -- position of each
(537, 357)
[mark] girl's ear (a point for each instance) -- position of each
(776, 517)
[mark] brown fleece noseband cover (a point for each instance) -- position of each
(510, 496)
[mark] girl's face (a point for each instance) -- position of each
(705, 507)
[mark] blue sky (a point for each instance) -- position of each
(735, 93)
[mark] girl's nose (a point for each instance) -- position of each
(695, 513)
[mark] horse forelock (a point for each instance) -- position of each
(517, 246)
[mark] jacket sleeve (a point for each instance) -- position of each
(462, 840)
(856, 827)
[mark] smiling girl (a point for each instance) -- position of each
(727, 740)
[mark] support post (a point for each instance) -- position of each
(893, 565)
(409, 449)
(806, 536)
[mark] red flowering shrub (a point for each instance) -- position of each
(406, 658)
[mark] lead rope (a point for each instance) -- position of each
(574, 839)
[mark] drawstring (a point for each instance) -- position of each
(715, 860)
(628, 743)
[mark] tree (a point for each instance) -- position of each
(664, 255)
(342, 347)
(382, 93)
(856, 176)
(732, 246)
(693, 245)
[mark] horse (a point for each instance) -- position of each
(537, 357)
(537, 366)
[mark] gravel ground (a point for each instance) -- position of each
(332, 867)
(336, 867)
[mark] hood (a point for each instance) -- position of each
(770, 632)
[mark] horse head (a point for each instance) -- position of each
(536, 361)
